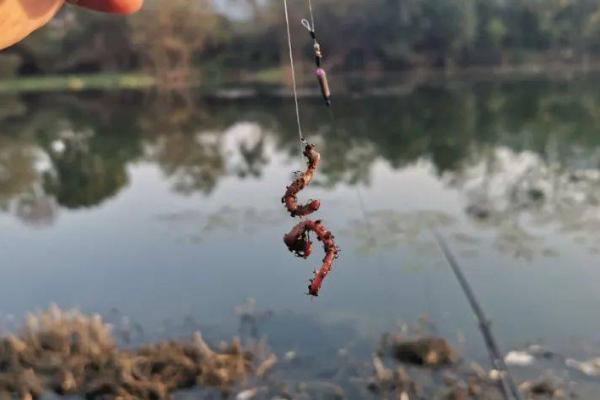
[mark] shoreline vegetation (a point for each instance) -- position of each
(278, 77)
(178, 42)
(76, 82)
(74, 354)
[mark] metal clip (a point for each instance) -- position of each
(305, 23)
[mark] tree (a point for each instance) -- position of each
(169, 33)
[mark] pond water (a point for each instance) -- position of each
(167, 211)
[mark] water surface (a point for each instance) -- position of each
(168, 211)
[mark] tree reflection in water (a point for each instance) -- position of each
(516, 194)
(522, 154)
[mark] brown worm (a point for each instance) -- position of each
(290, 198)
(298, 240)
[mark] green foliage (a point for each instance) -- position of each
(170, 38)
(104, 81)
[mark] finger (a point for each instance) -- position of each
(18, 18)
(110, 6)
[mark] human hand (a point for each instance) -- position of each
(18, 18)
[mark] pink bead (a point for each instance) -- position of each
(320, 72)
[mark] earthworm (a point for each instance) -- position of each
(298, 240)
(290, 198)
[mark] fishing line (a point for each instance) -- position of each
(295, 88)
(298, 239)
(320, 72)
(312, 17)
(303, 141)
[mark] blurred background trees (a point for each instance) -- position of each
(182, 39)
(168, 35)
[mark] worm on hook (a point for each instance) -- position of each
(297, 242)
(290, 198)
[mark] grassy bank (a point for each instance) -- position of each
(212, 80)
(76, 82)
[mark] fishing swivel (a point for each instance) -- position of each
(316, 45)
(320, 72)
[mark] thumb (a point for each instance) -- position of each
(18, 18)
(110, 6)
